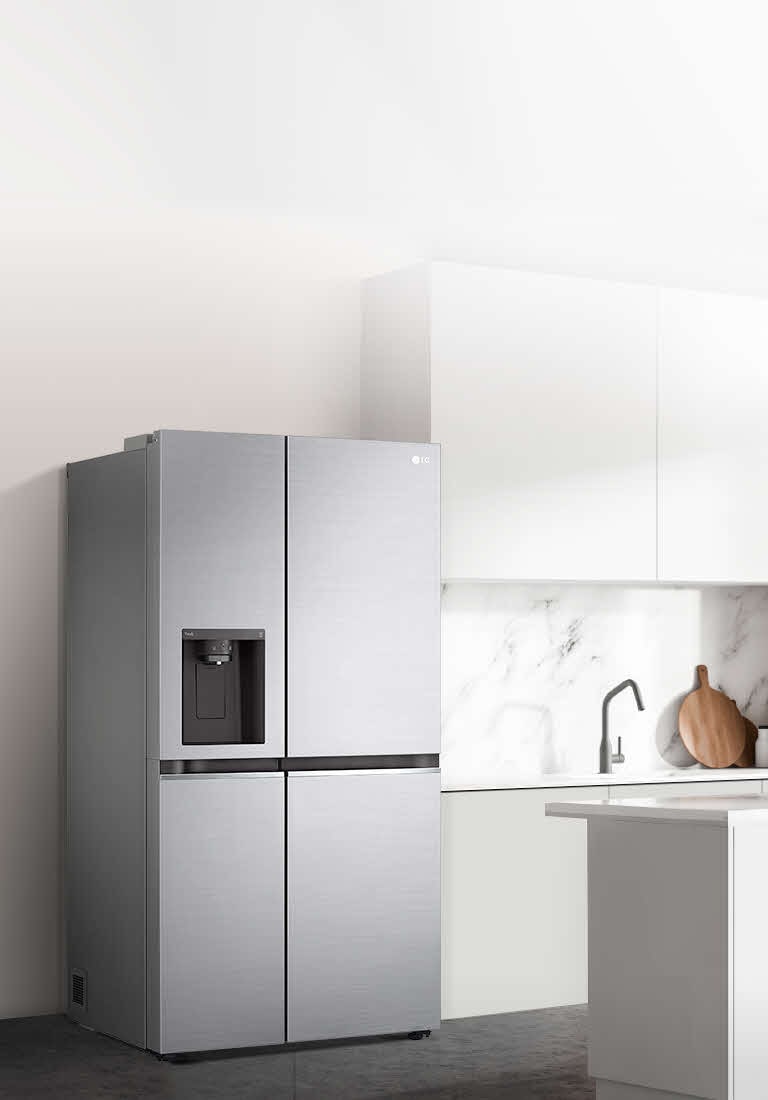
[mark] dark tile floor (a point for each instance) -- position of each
(541, 1055)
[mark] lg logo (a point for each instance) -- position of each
(417, 460)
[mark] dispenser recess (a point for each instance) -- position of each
(223, 687)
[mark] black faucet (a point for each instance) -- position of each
(607, 757)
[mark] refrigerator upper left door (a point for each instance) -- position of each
(216, 563)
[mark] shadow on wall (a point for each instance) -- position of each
(668, 742)
(738, 620)
(32, 536)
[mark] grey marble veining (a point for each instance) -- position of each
(525, 668)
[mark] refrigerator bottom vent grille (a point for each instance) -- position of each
(78, 988)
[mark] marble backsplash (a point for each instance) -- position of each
(525, 668)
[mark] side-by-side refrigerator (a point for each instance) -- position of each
(253, 814)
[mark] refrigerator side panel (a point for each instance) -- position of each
(153, 517)
(105, 831)
(363, 903)
(221, 911)
(219, 504)
(363, 597)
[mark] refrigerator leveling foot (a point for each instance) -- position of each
(419, 1034)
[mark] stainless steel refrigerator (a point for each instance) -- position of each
(253, 729)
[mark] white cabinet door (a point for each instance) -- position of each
(543, 396)
(514, 902)
(713, 442)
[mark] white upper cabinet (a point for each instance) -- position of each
(713, 437)
(541, 390)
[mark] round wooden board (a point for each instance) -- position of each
(747, 758)
(710, 725)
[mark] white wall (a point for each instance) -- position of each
(183, 321)
(190, 192)
(616, 138)
(147, 279)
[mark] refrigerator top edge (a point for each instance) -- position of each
(85, 463)
(372, 443)
(144, 439)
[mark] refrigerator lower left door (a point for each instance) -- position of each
(221, 908)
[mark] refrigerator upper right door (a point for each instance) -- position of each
(363, 597)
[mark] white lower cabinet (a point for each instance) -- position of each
(514, 895)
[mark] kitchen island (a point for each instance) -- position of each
(678, 963)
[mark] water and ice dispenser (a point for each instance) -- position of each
(223, 687)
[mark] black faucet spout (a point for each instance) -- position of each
(607, 757)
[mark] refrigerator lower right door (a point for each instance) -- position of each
(363, 903)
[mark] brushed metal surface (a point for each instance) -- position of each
(363, 597)
(105, 839)
(222, 904)
(220, 519)
(363, 904)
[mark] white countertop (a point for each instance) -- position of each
(722, 810)
(618, 778)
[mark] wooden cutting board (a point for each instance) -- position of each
(710, 725)
(747, 758)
